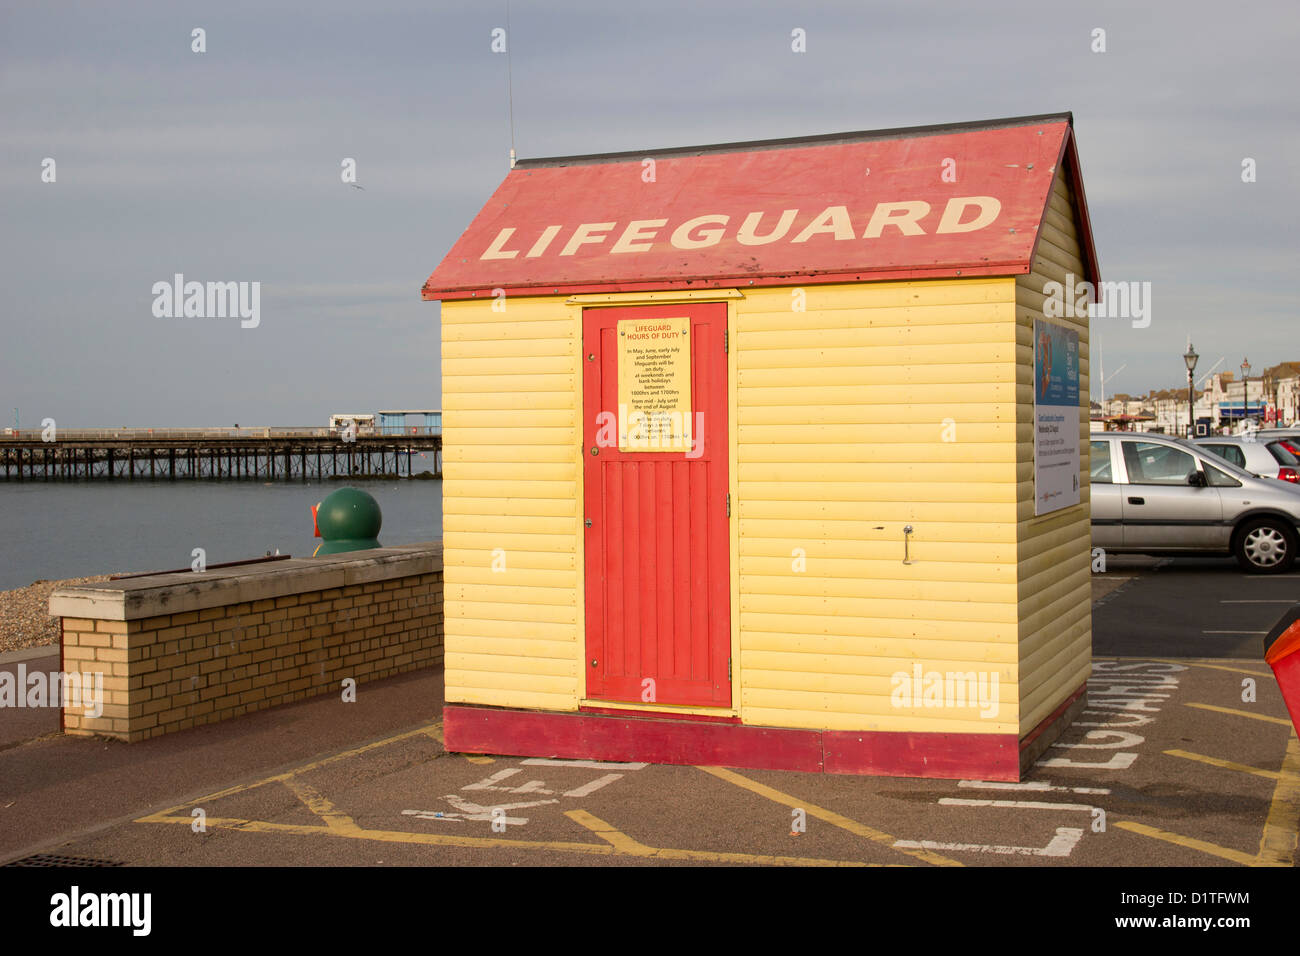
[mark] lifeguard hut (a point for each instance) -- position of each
(773, 454)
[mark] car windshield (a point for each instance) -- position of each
(1218, 461)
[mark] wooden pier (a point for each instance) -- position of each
(175, 454)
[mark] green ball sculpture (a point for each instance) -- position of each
(349, 520)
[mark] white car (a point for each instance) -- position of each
(1264, 456)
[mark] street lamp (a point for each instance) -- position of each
(1245, 389)
(1190, 358)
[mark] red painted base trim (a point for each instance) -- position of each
(599, 737)
(661, 715)
(900, 754)
(619, 737)
(1053, 717)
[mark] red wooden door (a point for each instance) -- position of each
(658, 587)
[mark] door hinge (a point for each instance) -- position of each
(726, 346)
(728, 668)
(728, 504)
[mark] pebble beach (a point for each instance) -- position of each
(25, 614)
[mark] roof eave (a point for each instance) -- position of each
(825, 139)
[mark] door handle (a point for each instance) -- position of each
(1137, 501)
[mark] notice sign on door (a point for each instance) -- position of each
(654, 385)
(1056, 417)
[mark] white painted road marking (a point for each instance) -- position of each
(473, 811)
(1035, 785)
(432, 815)
(1124, 739)
(495, 781)
(1116, 762)
(595, 785)
(1262, 601)
(489, 783)
(588, 764)
(1060, 846)
(532, 786)
(1124, 693)
(1014, 804)
(458, 817)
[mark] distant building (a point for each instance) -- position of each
(414, 421)
(1282, 393)
(365, 423)
(1220, 408)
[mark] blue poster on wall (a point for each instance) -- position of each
(1056, 417)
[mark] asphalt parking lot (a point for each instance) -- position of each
(1202, 607)
(1184, 757)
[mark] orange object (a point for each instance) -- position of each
(315, 528)
(1282, 653)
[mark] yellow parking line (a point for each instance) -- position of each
(1242, 713)
(625, 844)
(1226, 764)
(392, 836)
(433, 730)
(318, 804)
(339, 824)
(830, 816)
(616, 843)
(616, 838)
(1277, 844)
(1191, 843)
(161, 816)
(480, 760)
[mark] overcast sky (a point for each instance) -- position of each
(225, 165)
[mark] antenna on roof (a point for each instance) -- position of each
(510, 88)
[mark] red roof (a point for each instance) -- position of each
(929, 202)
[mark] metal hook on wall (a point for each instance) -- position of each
(907, 531)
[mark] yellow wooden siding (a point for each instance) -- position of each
(839, 418)
(841, 414)
(512, 429)
(1053, 568)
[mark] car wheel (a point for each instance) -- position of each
(1265, 546)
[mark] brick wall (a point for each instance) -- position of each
(168, 672)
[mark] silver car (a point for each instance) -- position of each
(1261, 455)
(1154, 494)
(1272, 434)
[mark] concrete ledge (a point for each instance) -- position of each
(137, 598)
(29, 654)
